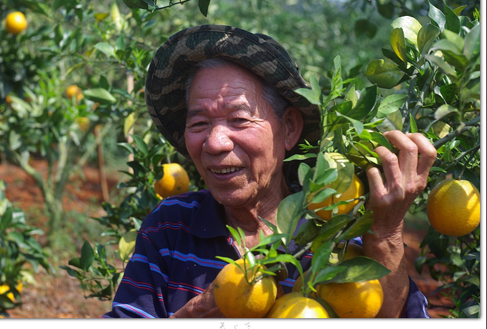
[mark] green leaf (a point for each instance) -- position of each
(454, 38)
(437, 16)
(345, 170)
(330, 229)
(384, 73)
(391, 104)
(323, 194)
(105, 48)
(360, 227)
(76, 262)
(444, 66)
(398, 43)
(452, 22)
(87, 256)
(141, 145)
(426, 37)
(414, 127)
(100, 95)
(444, 110)
(471, 47)
(365, 103)
(289, 212)
(410, 26)
(360, 268)
(120, 44)
(128, 123)
(321, 256)
(304, 173)
(327, 273)
(126, 245)
(203, 5)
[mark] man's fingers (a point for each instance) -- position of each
(427, 153)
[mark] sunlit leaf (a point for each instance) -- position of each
(426, 37)
(384, 73)
(398, 43)
(436, 16)
(289, 211)
(126, 245)
(100, 95)
(410, 26)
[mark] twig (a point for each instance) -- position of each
(456, 132)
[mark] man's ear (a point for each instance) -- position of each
(293, 125)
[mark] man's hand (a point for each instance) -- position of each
(405, 177)
(201, 306)
(391, 194)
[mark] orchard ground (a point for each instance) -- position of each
(59, 296)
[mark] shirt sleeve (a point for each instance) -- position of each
(141, 290)
(416, 304)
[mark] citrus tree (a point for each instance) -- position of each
(20, 253)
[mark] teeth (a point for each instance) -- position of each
(225, 170)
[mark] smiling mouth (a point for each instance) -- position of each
(225, 170)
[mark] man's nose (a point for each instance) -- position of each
(218, 140)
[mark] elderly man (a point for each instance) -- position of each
(224, 97)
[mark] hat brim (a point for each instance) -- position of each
(165, 90)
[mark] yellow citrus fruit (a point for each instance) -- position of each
(354, 299)
(355, 190)
(4, 288)
(175, 180)
(15, 22)
(453, 207)
(74, 90)
(83, 123)
(296, 306)
(236, 298)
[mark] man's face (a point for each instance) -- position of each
(234, 137)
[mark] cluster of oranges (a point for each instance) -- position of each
(242, 292)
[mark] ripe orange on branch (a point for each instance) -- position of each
(175, 180)
(296, 306)
(74, 90)
(240, 294)
(355, 190)
(453, 207)
(353, 299)
(15, 22)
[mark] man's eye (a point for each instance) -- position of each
(240, 120)
(197, 124)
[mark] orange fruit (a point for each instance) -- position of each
(295, 305)
(83, 123)
(237, 298)
(355, 190)
(453, 207)
(354, 299)
(4, 288)
(15, 22)
(74, 90)
(175, 180)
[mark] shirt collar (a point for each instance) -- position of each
(209, 220)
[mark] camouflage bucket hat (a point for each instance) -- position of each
(165, 90)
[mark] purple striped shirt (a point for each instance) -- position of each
(174, 260)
